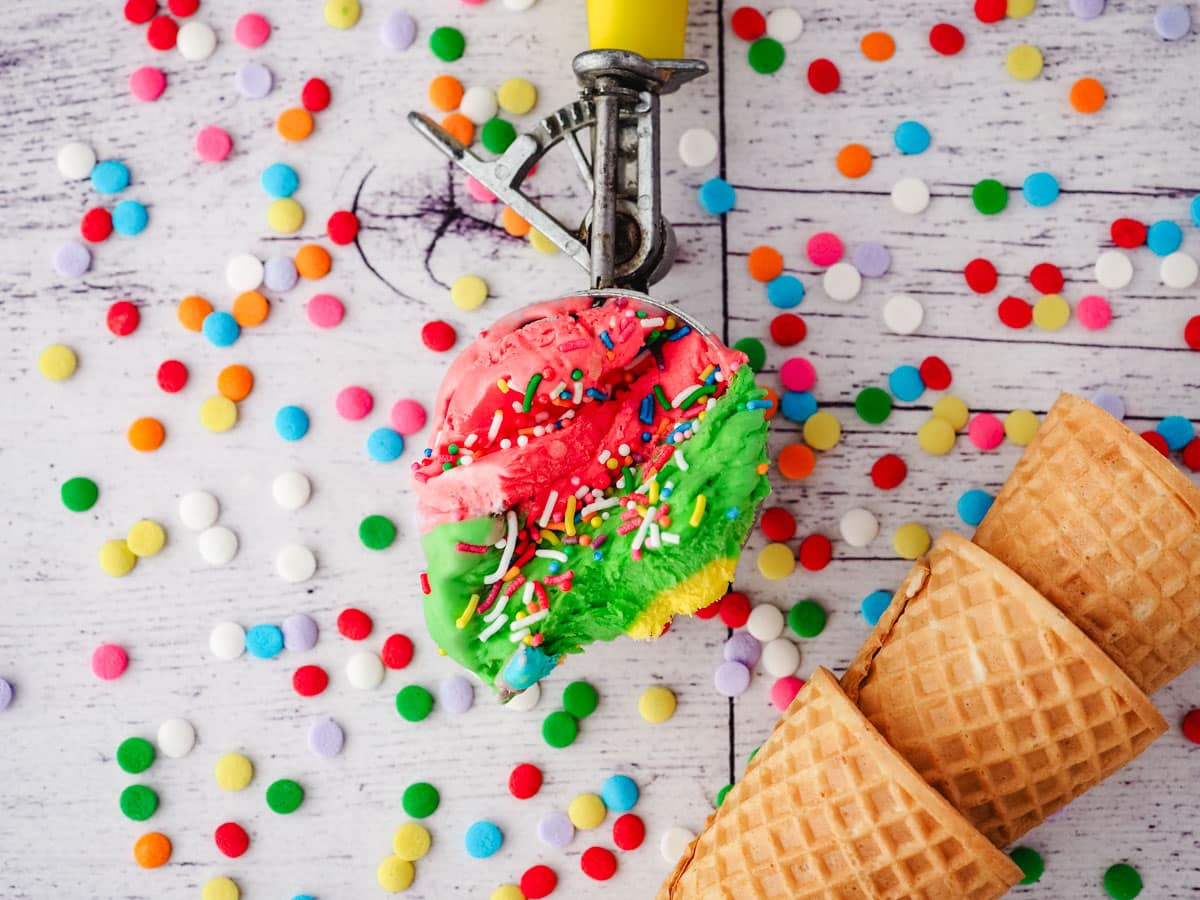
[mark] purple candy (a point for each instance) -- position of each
(325, 738)
(72, 259)
(743, 648)
(254, 80)
(1172, 22)
(6, 694)
(555, 830)
(1110, 401)
(398, 32)
(731, 679)
(279, 273)
(456, 694)
(1087, 9)
(872, 259)
(299, 632)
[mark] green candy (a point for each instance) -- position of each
(873, 405)
(722, 793)
(420, 800)
(377, 532)
(1122, 882)
(807, 618)
(755, 352)
(497, 135)
(989, 196)
(285, 796)
(135, 755)
(414, 703)
(447, 43)
(79, 494)
(580, 699)
(1030, 862)
(138, 802)
(766, 56)
(560, 729)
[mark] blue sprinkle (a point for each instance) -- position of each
(606, 340)
(564, 395)
(384, 445)
(428, 452)
(264, 641)
(291, 423)
(646, 436)
(680, 333)
(110, 177)
(221, 329)
(483, 839)
(785, 291)
(974, 505)
(906, 383)
(129, 217)
(732, 513)
(717, 196)
(1177, 431)
(1164, 237)
(797, 406)
(911, 138)
(619, 793)
(646, 410)
(280, 180)
(597, 555)
(758, 404)
(1196, 210)
(595, 394)
(1040, 189)
(874, 605)
(555, 567)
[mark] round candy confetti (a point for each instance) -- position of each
(872, 259)
(447, 43)
(469, 292)
(1087, 95)
(559, 729)
(766, 55)
(1173, 21)
(135, 755)
(299, 632)
(220, 888)
(1128, 233)
(377, 532)
(109, 662)
(656, 705)
(326, 738)
(438, 336)
(807, 618)
(765, 623)
(822, 431)
(1051, 312)
(912, 137)
(407, 417)
(294, 124)
(1114, 270)
(221, 329)
(903, 314)
(742, 648)
(286, 216)
(217, 545)
(717, 196)
(253, 80)
(279, 180)
(586, 812)
(279, 273)
(1177, 431)
(784, 25)
(555, 830)
(764, 263)
(1155, 440)
(911, 540)
(525, 781)
(755, 352)
(227, 641)
(815, 552)
(147, 83)
(145, 538)
(342, 14)
(859, 527)
(1030, 862)
(697, 147)
(295, 563)
(79, 494)
(1024, 62)
(456, 695)
(110, 177)
(231, 839)
(196, 41)
(777, 524)
(284, 796)
(1040, 189)
(1087, 9)
(989, 196)
(218, 414)
(354, 403)
(877, 46)
(674, 842)
(1191, 726)
(309, 681)
(414, 703)
(874, 605)
(342, 227)
(192, 311)
(152, 850)
(1122, 882)
(1020, 426)
(176, 738)
(354, 624)
(1164, 237)
(394, 874)
(946, 39)
(411, 841)
(784, 691)
(1179, 271)
(479, 104)
(796, 406)
(420, 800)
(1110, 401)
(985, 431)
(72, 259)
(1046, 278)
(129, 218)
(116, 559)
(854, 161)
(905, 383)
(748, 23)
(251, 30)
(823, 76)
(96, 225)
(776, 561)
(580, 699)
(888, 472)
(936, 437)
(497, 135)
(138, 802)
(981, 276)
(842, 282)
(1015, 312)
(57, 362)
(384, 445)
(198, 510)
(873, 405)
(780, 658)
(291, 423)
(264, 641)
(75, 160)
(973, 505)
(935, 373)
(315, 95)
(326, 311)
(598, 863)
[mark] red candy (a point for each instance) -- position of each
(778, 524)
(162, 32)
(735, 609)
(598, 863)
(123, 318)
(946, 39)
(1191, 455)
(788, 329)
(183, 8)
(524, 781)
(935, 373)
(628, 832)
(815, 552)
(1191, 726)
(784, 691)
(172, 376)
(354, 624)
(1157, 441)
(139, 12)
(438, 336)
(308, 681)
(823, 76)
(538, 882)
(342, 227)
(1015, 312)
(231, 839)
(1191, 333)
(888, 472)
(96, 225)
(980, 275)
(315, 95)
(1128, 233)
(989, 11)
(1046, 278)
(748, 23)
(710, 611)
(397, 651)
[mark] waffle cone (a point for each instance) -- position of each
(828, 810)
(994, 696)
(1109, 531)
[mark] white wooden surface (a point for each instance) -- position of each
(65, 66)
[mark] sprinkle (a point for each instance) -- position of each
(530, 391)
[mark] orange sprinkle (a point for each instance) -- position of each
(192, 311)
(312, 261)
(235, 383)
(795, 461)
(460, 127)
(772, 398)
(146, 434)
(250, 309)
(765, 264)
(1087, 95)
(294, 124)
(878, 46)
(152, 850)
(445, 92)
(513, 223)
(854, 160)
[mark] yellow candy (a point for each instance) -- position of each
(342, 14)
(822, 431)
(776, 561)
(218, 413)
(57, 362)
(1019, 9)
(116, 559)
(541, 243)
(911, 540)
(1024, 62)
(395, 874)
(469, 292)
(145, 538)
(953, 410)
(517, 96)
(656, 705)
(411, 841)
(1020, 426)
(1051, 312)
(233, 772)
(220, 888)
(508, 892)
(936, 437)
(285, 216)
(587, 811)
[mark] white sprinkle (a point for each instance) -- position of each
(551, 554)
(544, 519)
(679, 460)
(606, 503)
(497, 611)
(654, 541)
(679, 398)
(604, 457)
(669, 537)
(520, 635)
(509, 547)
(656, 322)
(529, 620)
(640, 536)
(471, 439)
(493, 628)
(577, 396)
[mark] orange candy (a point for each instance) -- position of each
(513, 223)
(795, 461)
(854, 161)
(1087, 95)
(250, 309)
(445, 92)
(152, 850)
(765, 264)
(312, 261)
(146, 434)
(460, 127)
(235, 383)
(878, 46)
(192, 311)
(294, 124)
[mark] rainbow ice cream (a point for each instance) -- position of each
(595, 471)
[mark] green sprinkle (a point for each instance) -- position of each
(989, 196)
(722, 793)
(580, 699)
(1122, 882)
(1031, 863)
(414, 703)
(79, 494)
(661, 397)
(576, 374)
(447, 43)
(452, 449)
(696, 395)
(755, 352)
(807, 618)
(531, 391)
(497, 134)
(377, 532)
(135, 755)
(640, 314)
(766, 56)
(420, 800)
(138, 802)
(285, 796)
(560, 729)
(753, 753)
(873, 405)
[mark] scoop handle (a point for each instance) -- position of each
(655, 29)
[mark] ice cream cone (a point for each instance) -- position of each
(828, 810)
(993, 695)
(1109, 531)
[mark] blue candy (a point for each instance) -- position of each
(280, 180)
(874, 605)
(1177, 431)
(797, 406)
(385, 445)
(1164, 237)
(110, 177)
(717, 196)
(483, 839)
(911, 138)
(221, 329)
(906, 383)
(785, 291)
(1196, 210)
(974, 505)
(264, 641)
(291, 423)
(129, 217)
(1040, 189)
(619, 793)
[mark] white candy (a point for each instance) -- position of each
(697, 147)
(295, 563)
(903, 314)
(227, 641)
(1179, 271)
(526, 700)
(244, 272)
(842, 282)
(291, 490)
(199, 510)
(365, 670)
(784, 25)
(674, 841)
(196, 41)
(780, 658)
(859, 527)
(217, 545)
(910, 195)
(76, 160)
(1114, 269)
(765, 622)
(177, 737)
(479, 104)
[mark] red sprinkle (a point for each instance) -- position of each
(1046, 278)
(980, 275)
(354, 624)
(308, 681)
(315, 95)
(815, 552)
(1157, 441)
(183, 8)
(139, 12)
(524, 781)
(96, 225)
(1015, 312)
(1191, 726)
(1128, 233)
(538, 882)
(823, 76)
(989, 11)
(735, 609)
(888, 472)
(172, 376)
(162, 32)
(946, 39)
(778, 524)
(231, 839)
(710, 611)
(1191, 455)
(342, 227)
(1191, 333)
(788, 329)
(598, 863)
(748, 23)
(123, 318)
(935, 373)
(397, 651)
(628, 832)
(438, 336)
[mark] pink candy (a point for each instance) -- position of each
(1093, 312)
(213, 144)
(251, 30)
(784, 691)
(797, 374)
(147, 83)
(825, 248)
(408, 417)
(109, 661)
(478, 191)
(354, 403)
(986, 431)
(325, 310)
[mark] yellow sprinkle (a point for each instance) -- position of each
(587, 811)
(145, 538)
(698, 511)
(519, 614)
(220, 888)
(613, 463)
(671, 323)
(953, 410)
(1024, 62)
(911, 541)
(462, 620)
(776, 561)
(595, 521)
(653, 490)
(1051, 312)
(569, 520)
(1019, 9)
(233, 772)
(656, 705)
(1020, 426)
(822, 431)
(395, 874)
(116, 559)
(342, 14)
(503, 385)
(541, 243)
(218, 413)
(550, 537)
(57, 362)
(285, 216)
(517, 96)
(469, 292)
(411, 841)
(936, 437)
(708, 371)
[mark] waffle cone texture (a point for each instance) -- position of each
(994, 696)
(828, 809)
(1108, 530)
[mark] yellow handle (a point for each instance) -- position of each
(653, 28)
